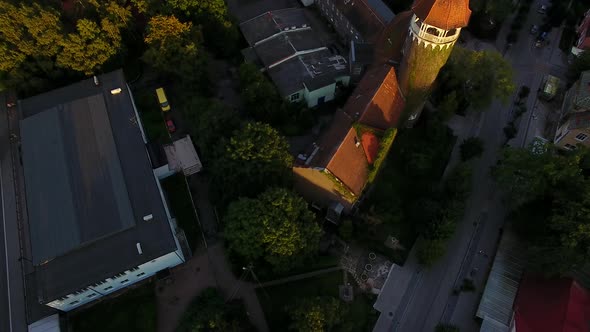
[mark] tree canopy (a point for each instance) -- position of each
(173, 48)
(477, 77)
(318, 314)
(275, 228)
(579, 64)
(498, 10)
(255, 157)
(211, 124)
(209, 313)
(550, 197)
(27, 32)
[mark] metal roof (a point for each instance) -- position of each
(99, 151)
(502, 285)
(74, 183)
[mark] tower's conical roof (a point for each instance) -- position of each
(443, 14)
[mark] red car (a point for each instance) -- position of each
(170, 125)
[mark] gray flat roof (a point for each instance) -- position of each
(315, 70)
(74, 183)
(89, 184)
(272, 22)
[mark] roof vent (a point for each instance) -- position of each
(138, 245)
(116, 91)
(149, 217)
(96, 81)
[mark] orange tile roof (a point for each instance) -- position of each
(443, 14)
(391, 41)
(370, 144)
(349, 163)
(377, 101)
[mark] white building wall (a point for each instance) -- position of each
(117, 282)
(327, 92)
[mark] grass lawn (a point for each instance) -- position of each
(182, 209)
(134, 310)
(320, 262)
(275, 299)
(397, 188)
(151, 116)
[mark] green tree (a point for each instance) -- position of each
(95, 41)
(173, 48)
(261, 98)
(276, 228)
(27, 32)
(319, 314)
(209, 312)
(550, 196)
(478, 77)
(255, 158)
(579, 64)
(471, 148)
(87, 49)
(210, 123)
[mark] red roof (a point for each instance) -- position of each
(555, 305)
(443, 14)
(377, 101)
(391, 41)
(370, 144)
(349, 163)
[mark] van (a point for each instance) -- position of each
(162, 99)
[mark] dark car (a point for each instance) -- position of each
(170, 125)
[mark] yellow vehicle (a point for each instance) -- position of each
(162, 99)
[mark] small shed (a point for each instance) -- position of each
(182, 156)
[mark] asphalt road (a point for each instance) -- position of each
(427, 294)
(12, 306)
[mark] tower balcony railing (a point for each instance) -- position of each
(419, 29)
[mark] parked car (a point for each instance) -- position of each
(534, 29)
(542, 10)
(162, 99)
(170, 125)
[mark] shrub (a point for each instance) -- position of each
(471, 148)
(510, 131)
(524, 92)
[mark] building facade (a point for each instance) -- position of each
(574, 123)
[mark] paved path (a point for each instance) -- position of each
(298, 277)
(415, 299)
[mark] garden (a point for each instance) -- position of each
(278, 302)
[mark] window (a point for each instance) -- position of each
(432, 31)
(108, 288)
(91, 295)
(124, 281)
(569, 147)
(141, 274)
(295, 96)
(581, 137)
(451, 32)
(75, 302)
